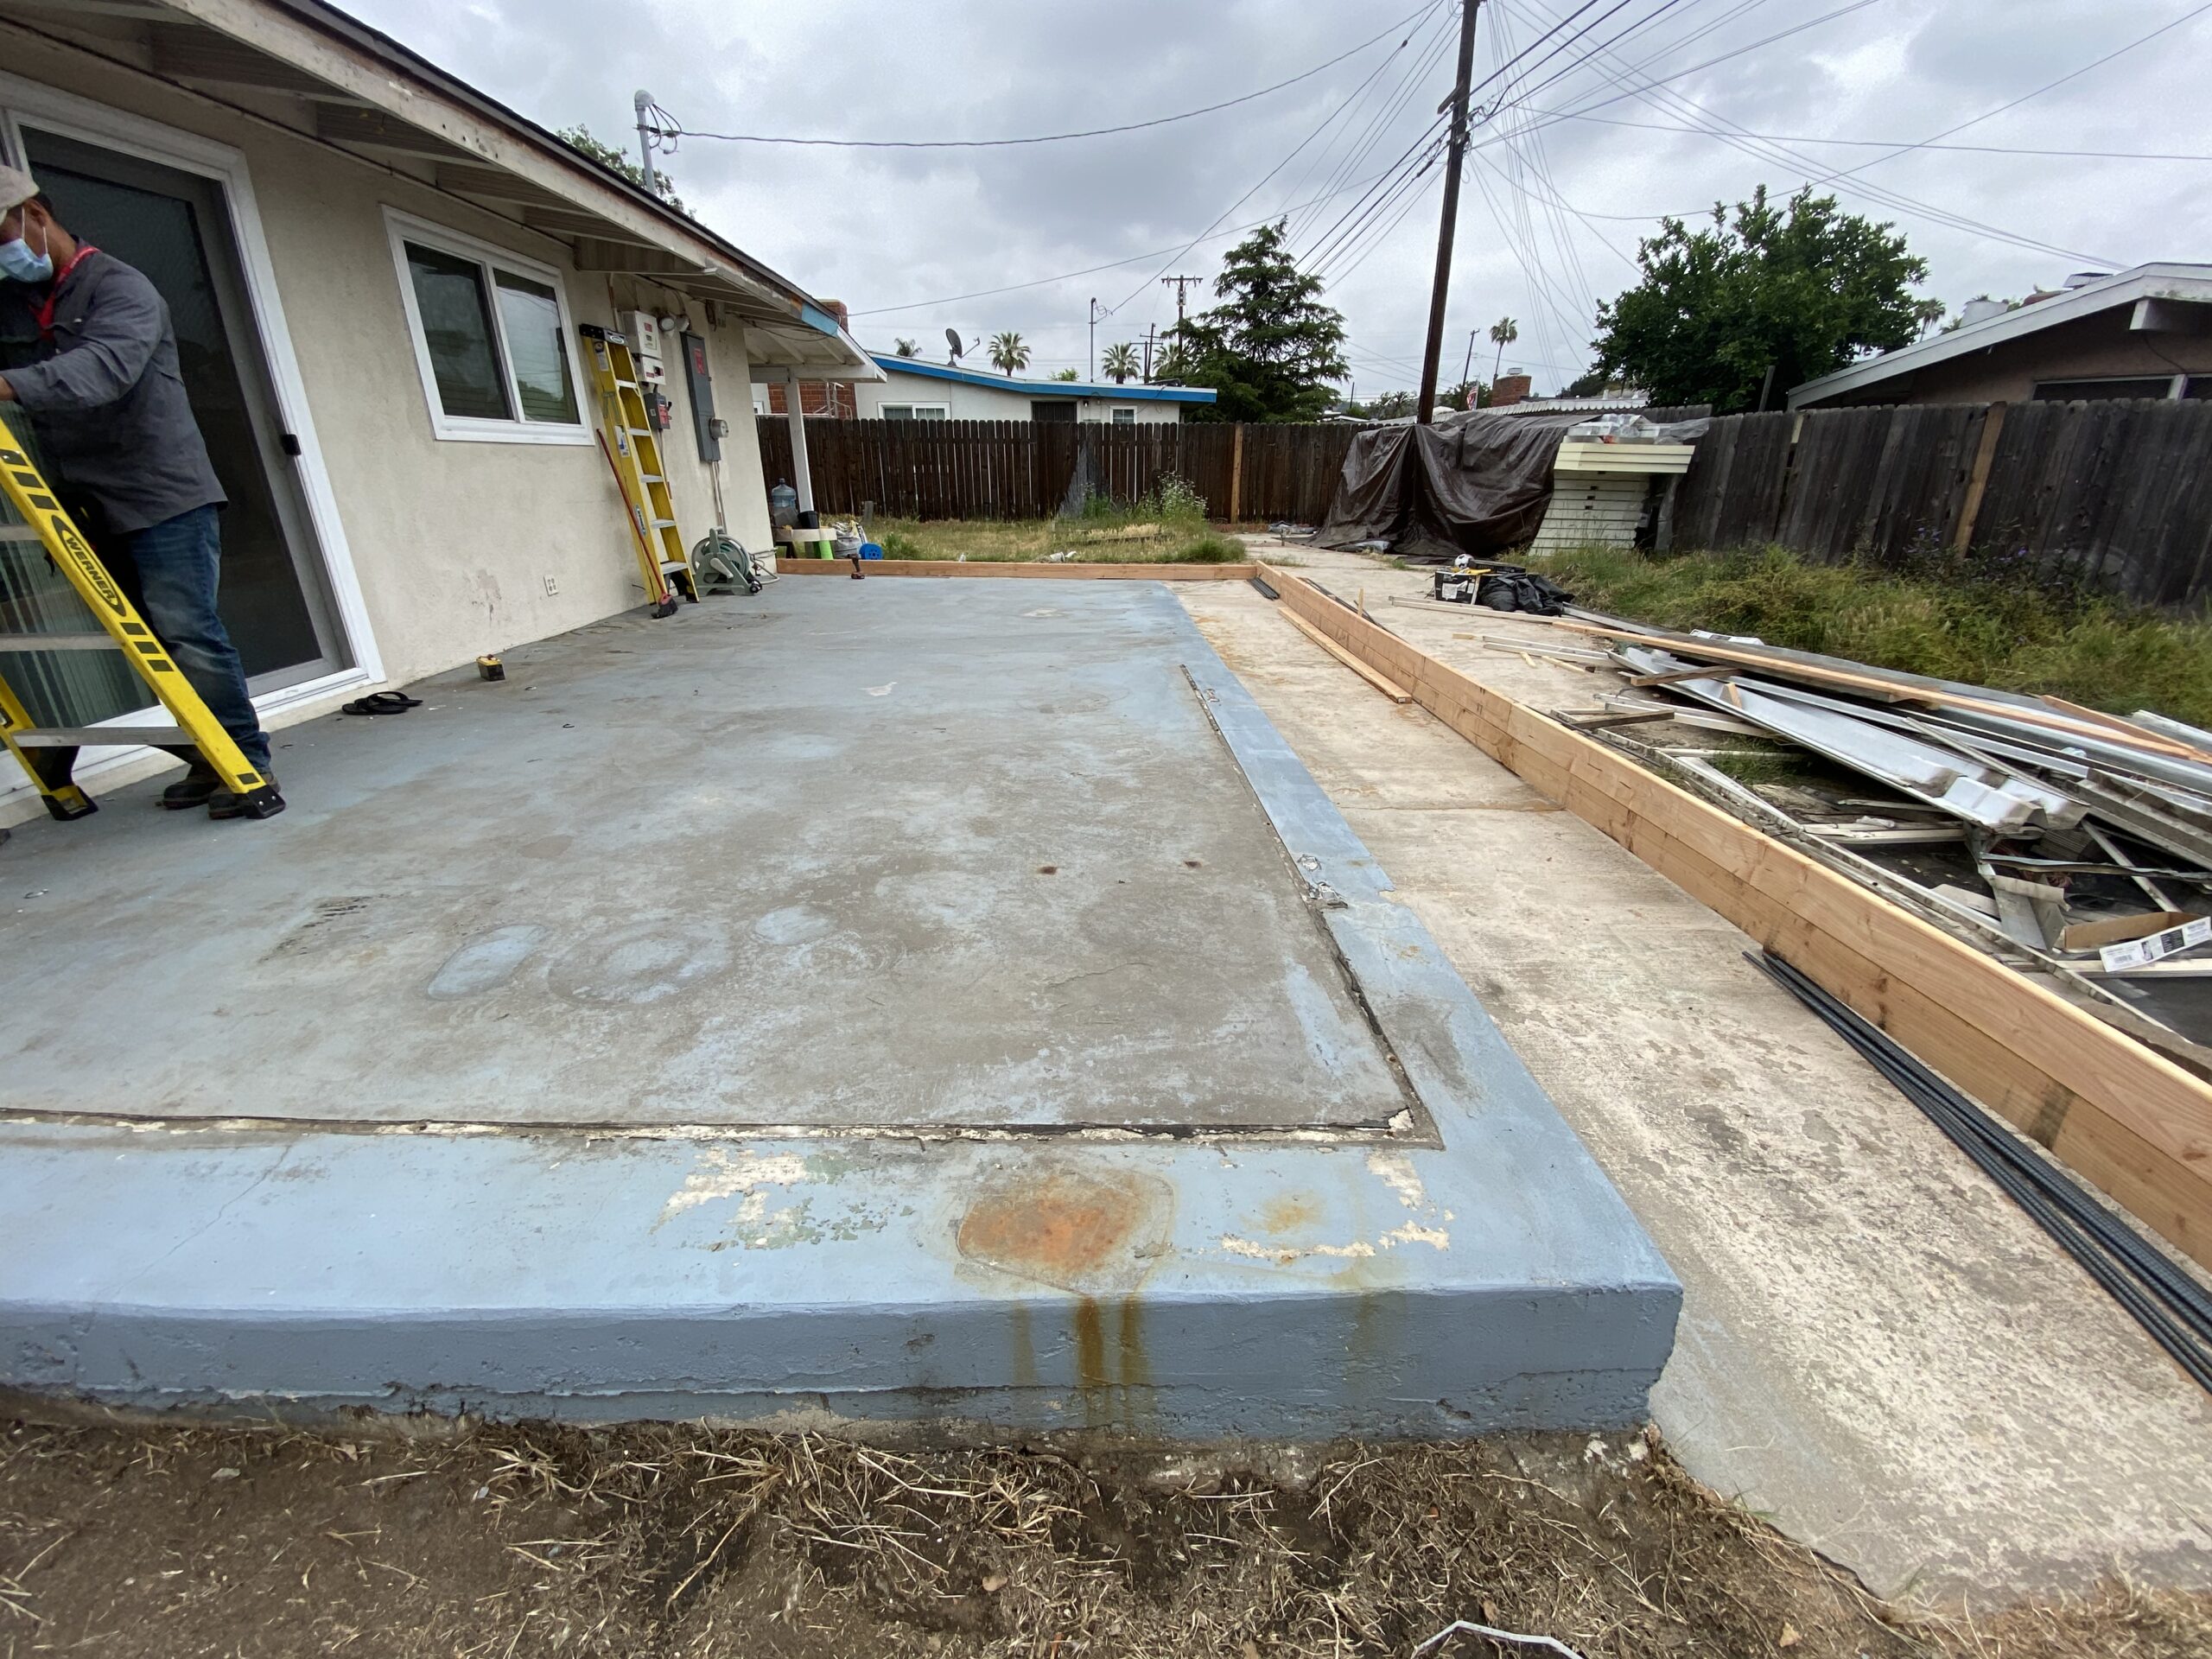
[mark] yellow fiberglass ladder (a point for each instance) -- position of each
(48, 754)
(634, 450)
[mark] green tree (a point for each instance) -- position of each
(578, 139)
(908, 348)
(1387, 406)
(1065, 374)
(1504, 331)
(1171, 366)
(1805, 289)
(1009, 351)
(1120, 363)
(1270, 348)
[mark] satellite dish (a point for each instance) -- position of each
(952, 338)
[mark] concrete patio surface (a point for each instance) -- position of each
(913, 1000)
(858, 859)
(1878, 1351)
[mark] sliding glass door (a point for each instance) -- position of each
(175, 226)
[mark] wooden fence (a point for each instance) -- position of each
(1023, 469)
(2115, 496)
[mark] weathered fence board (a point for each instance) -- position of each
(2115, 496)
(1022, 469)
(1731, 495)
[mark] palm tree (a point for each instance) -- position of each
(908, 348)
(1504, 331)
(1120, 363)
(1009, 351)
(1171, 366)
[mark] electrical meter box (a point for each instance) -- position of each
(647, 348)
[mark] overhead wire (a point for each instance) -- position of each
(1327, 121)
(1423, 64)
(1652, 91)
(1904, 145)
(1363, 136)
(1366, 210)
(1088, 271)
(1057, 137)
(2190, 15)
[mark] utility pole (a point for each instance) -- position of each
(642, 101)
(1094, 341)
(1457, 154)
(1147, 352)
(1179, 284)
(1467, 368)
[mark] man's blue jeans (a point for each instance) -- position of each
(179, 564)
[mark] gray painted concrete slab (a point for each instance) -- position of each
(947, 854)
(1192, 1275)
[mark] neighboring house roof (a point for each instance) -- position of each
(308, 66)
(998, 382)
(2141, 287)
(1597, 400)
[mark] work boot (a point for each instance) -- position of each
(197, 787)
(228, 803)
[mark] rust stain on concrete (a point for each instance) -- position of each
(1083, 1230)
(1293, 1212)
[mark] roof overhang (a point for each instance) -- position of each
(1106, 389)
(308, 65)
(2164, 298)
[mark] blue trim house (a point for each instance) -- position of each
(913, 390)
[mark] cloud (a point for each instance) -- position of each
(885, 228)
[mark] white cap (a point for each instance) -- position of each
(16, 187)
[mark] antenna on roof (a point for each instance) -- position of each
(952, 338)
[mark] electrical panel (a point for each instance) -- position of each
(700, 382)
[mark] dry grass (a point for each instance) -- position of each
(693, 1544)
(1956, 618)
(1100, 542)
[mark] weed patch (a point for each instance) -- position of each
(1951, 618)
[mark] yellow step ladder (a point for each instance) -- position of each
(48, 754)
(634, 450)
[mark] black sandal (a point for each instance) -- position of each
(382, 702)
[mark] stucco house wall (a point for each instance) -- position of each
(2096, 347)
(451, 543)
(2150, 324)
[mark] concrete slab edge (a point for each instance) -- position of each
(1484, 1276)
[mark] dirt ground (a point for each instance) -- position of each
(685, 1542)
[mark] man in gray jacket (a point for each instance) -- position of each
(94, 363)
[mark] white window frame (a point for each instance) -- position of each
(1114, 415)
(914, 411)
(403, 228)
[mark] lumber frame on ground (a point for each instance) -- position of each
(787, 566)
(2137, 1125)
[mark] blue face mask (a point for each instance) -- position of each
(17, 261)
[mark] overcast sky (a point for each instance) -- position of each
(1551, 209)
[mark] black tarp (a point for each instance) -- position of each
(1476, 483)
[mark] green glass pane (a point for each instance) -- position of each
(532, 317)
(457, 324)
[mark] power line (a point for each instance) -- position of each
(1893, 144)
(1092, 270)
(1387, 110)
(1054, 137)
(1432, 55)
(1776, 155)
(1327, 121)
